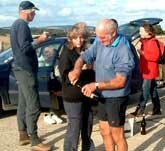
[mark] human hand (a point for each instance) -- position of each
(138, 48)
(42, 37)
(87, 66)
(88, 89)
(140, 51)
(74, 76)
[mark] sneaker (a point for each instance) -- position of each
(56, 119)
(48, 119)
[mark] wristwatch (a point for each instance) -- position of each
(97, 85)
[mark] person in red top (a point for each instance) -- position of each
(149, 69)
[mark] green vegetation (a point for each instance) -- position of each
(4, 32)
(159, 30)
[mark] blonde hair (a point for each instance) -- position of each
(79, 29)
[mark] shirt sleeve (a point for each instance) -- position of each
(89, 55)
(24, 38)
(65, 65)
(124, 61)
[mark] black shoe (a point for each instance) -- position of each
(136, 111)
(156, 112)
(24, 139)
(140, 113)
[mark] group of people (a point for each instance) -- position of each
(105, 67)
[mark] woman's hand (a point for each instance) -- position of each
(138, 48)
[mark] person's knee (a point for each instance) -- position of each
(118, 134)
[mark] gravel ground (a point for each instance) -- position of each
(154, 140)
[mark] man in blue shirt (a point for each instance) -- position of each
(113, 64)
(25, 68)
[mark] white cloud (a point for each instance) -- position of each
(65, 11)
(144, 5)
(90, 2)
(9, 2)
(6, 18)
(57, 12)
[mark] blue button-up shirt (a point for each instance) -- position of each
(109, 60)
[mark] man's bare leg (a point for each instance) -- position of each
(119, 138)
(107, 136)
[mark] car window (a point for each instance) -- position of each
(47, 54)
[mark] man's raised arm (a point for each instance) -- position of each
(75, 73)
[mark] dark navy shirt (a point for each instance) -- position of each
(117, 57)
(21, 42)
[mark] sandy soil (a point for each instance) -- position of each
(54, 135)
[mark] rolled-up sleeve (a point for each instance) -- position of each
(124, 61)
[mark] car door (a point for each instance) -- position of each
(47, 53)
(47, 56)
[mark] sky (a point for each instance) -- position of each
(69, 12)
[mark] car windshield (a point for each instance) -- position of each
(6, 56)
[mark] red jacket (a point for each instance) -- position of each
(148, 65)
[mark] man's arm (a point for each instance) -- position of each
(75, 73)
(117, 82)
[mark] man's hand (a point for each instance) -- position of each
(42, 37)
(87, 66)
(75, 73)
(74, 76)
(88, 89)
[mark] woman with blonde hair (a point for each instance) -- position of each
(76, 105)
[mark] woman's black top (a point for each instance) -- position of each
(72, 93)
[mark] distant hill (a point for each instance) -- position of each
(58, 30)
(53, 30)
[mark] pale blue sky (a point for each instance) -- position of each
(64, 12)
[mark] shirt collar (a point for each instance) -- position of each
(25, 20)
(116, 41)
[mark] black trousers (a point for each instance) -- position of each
(28, 109)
